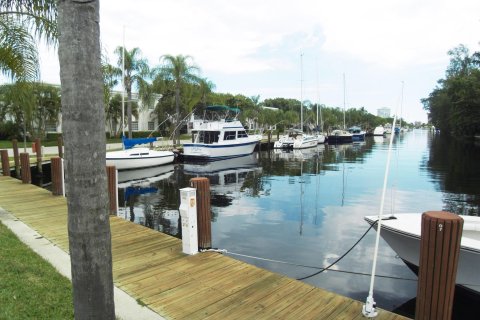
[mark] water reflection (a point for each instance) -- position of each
(307, 206)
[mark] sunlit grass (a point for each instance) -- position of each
(30, 288)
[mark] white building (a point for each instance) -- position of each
(383, 112)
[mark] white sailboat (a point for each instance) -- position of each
(303, 140)
(339, 136)
(320, 135)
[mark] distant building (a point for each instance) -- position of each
(383, 112)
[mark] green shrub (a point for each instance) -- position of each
(9, 130)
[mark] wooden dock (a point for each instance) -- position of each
(151, 267)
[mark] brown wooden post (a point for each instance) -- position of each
(57, 176)
(204, 226)
(439, 252)
(16, 157)
(60, 146)
(112, 188)
(25, 170)
(38, 146)
(5, 162)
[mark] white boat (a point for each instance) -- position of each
(379, 131)
(219, 136)
(284, 142)
(296, 139)
(136, 158)
(320, 138)
(402, 233)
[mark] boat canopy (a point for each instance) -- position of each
(222, 108)
(130, 143)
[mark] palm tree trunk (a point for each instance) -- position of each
(129, 113)
(84, 136)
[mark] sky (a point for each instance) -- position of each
(369, 53)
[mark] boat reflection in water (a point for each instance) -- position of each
(138, 193)
(227, 177)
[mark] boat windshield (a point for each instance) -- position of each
(208, 137)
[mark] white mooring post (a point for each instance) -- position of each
(188, 213)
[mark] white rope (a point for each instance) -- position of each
(369, 309)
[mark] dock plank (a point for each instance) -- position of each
(151, 267)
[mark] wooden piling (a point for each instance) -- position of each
(57, 176)
(439, 253)
(60, 146)
(25, 167)
(38, 146)
(204, 226)
(16, 157)
(112, 189)
(5, 163)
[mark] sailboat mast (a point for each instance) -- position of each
(301, 91)
(318, 96)
(344, 94)
(401, 107)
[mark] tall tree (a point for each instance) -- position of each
(179, 70)
(84, 136)
(136, 71)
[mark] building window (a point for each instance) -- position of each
(134, 125)
(151, 125)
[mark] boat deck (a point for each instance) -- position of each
(151, 267)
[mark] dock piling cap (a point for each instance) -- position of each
(443, 215)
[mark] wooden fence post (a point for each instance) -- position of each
(38, 146)
(5, 162)
(204, 216)
(112, 189)
(25, 164)
(439, 252)
(16, 158)
(57, 176)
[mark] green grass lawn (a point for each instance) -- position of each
(30, 288)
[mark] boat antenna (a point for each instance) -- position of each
(369, 308)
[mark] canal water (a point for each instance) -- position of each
(295, 212)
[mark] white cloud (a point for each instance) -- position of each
(253, 47)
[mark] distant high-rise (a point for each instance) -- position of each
(383, 112)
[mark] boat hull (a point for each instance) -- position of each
(135, 159)
(338, 139)
(218, 151)
(307, 142)
(404, 239)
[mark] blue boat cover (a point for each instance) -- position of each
(130, 143)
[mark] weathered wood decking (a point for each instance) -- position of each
(151, 267)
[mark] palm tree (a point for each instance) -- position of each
(180, 71)
(136, 71)
(84, 136)
(205, 88)
(18, 47)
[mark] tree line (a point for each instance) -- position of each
(454, 104)
(174, 89)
